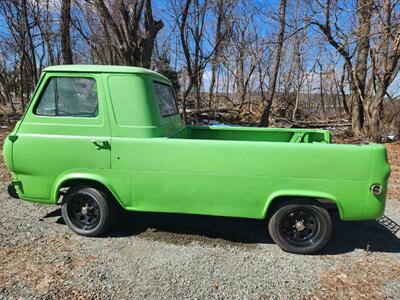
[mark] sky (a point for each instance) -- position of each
(265, 25)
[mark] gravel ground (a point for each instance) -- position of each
(175, 256)
(172, 256)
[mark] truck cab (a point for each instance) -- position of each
(100, 138)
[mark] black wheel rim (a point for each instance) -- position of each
(83, 212)
(300, 227)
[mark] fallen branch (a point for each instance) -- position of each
(313, 123)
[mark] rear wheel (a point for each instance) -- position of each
(87, 211)
(300, 228)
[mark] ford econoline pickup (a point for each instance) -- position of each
(97, 139)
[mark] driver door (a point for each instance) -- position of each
(65, 128)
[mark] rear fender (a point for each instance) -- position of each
(301, 194)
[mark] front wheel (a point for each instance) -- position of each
(300, 228)
(87, 211)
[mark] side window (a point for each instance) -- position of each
(69, 97)
(166, 99)
(47, 102)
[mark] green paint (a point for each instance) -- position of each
(151, 163)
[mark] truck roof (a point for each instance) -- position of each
(103, 69)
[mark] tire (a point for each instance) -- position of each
(88, 211)
(300, 227)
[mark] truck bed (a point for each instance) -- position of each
(288, 135)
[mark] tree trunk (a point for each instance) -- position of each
(186, 52)
(275, 71)
(152, 27)
(364, 14)
(321, 90)
(135, 43)
(357, 114)
(216, 56)
(296, 105)
(342, 92)
(65, 35)
(374, 123)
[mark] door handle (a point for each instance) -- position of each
(101, 143)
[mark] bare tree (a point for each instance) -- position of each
(221, 7)
(243, 39)
(21, 18)
(222, 53)
(135, 41)
(385, 56)
(272, 85)
(192, 35)
(368, 93)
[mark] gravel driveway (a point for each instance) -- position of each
(172, 256)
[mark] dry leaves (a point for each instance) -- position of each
(362, 279)
(27, 263)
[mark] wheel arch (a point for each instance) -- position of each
(80, 178)
(326, 200)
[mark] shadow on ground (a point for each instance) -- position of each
(185, 229)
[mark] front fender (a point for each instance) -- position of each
(301, 194)
(81, 175)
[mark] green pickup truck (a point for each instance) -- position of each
(100, 138)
